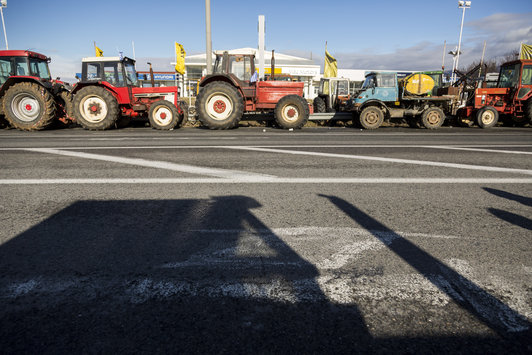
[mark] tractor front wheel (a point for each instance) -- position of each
(487, 117)
(291, 112)
(95, 108)
(371, 117)
(29, 107)
(163, 115)
(219, 106)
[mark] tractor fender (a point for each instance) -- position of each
(103, 84)
(377, 103)
(225, 78)
(21, 79)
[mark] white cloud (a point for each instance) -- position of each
(502, 32)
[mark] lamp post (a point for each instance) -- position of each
(461, 5)
(208, 50)
(3, 4)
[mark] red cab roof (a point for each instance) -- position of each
(22, 53)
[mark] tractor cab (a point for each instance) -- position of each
(238, 66)
(333, 95)
(23, 63)
(119, 72)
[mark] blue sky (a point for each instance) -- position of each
(392, 34)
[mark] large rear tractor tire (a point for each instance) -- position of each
(432, 118)
(95, 108)
(29, 107)
(219, 105)
(487, 117)
(319, 105)
(371, 117)
(291, 112)
(163, 115)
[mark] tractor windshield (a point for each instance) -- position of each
(509, 76)
(39, 68)
(369, 82)
(131, 74)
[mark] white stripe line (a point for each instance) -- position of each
(273, 180)
(391, 160)
(477, 149)
(222, 173)
(277, 146)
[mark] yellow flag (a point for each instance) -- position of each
(526, 51)
(330, 69)
(180, 58)
(99, 52)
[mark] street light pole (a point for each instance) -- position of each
(4, 4)
(461, 5)
(208, 50)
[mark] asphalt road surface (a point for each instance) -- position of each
(263, 240)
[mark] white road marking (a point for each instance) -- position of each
(277, 146)
(266, 180)
(477, 149)
(191, 169)
(391, 160)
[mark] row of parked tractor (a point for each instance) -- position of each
(108, 95)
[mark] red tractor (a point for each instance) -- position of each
(231, 90)
(30, 99)
(109, 91)
(511, 98)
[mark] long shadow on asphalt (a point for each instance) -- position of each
(197, 276)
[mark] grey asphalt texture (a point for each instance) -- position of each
(289, 258)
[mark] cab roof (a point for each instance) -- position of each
(106, 59)
(22, 53)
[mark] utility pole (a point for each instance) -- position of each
(208, 51)
(261, 46)
(3, 4)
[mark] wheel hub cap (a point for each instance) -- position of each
(291, 113)
(25, 107)
(219, 106)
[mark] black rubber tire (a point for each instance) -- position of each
(184, 107)
(528, 110)
(65, 100)
(432, 118)
(371, 117)
(487, 117)
(291, 112)
(29, 107)
(101, 99)
(163, 115)
(319, 105)
(226, 98)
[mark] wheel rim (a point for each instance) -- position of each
(93, 108)
(162, 116)
(487, 117)
(371, 117)
(219, 106)
(26, 107)
(290, 113)
(433, 118)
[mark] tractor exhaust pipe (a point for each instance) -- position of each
(272, 76)
(152, 79)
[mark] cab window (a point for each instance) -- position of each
(241, 67)
(526, 78)
(5, 70)
(21, 66)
